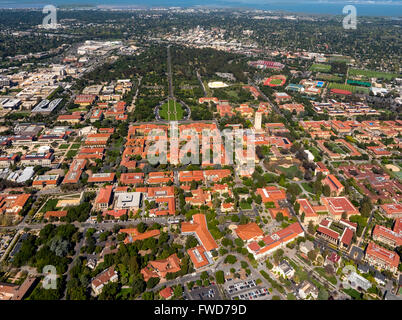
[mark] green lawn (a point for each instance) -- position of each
(355, 295)
(328, 77)
(315, 153)
(289, 172)
(336, 164)
(168, 111)
(64, 146)
(50, 205)
(76, 146)
(245, 205)
(373, 74)
(71, 153)
(276, 81)
(320, 67)
(307, 187)
(335, 148)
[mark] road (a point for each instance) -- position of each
(202, 83)
(169, 66)
(212, 269)
(77, 251)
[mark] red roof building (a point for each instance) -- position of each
(381, 257)
(310, 213)
(104, 197)
(109, 275)
(132, 178)
(74, 173)
(393, 210)
(274, 211)
(249, 232)
(107, 177)
(272, 194)
(198, 227)
(160, 177)
(56, 214)
(338, 205)
(133, 234)
(91, 153)
(189, 176)
(116, 214)
(13, 203)
(334, 184)
(166, 293)
(198, 257)
(84, 99)
(387, 236)
(160, 268)
(275, 241)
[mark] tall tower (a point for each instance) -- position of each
(257, 121)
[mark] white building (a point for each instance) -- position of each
(307, 289)
(285, 270)
(357, 281)
(109, 275)
(128, 200)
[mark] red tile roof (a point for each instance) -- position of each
(104, 195)
(328, 232)
(160, 268)
(166, 293)
(198, 257)
(388, 257)
(199, 226)
(381, 231)
(134, 234)
(249, 231)
(57, 214)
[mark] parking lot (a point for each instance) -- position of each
(208, 293)
(255, 294)
(245, 290)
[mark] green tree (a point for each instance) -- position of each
(109, 291)
(220, 277)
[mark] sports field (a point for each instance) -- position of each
(171, 111)
(320, 67)
(373, 74)
(275, 81)
(328, 77)
(353, 89)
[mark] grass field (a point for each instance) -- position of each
(289, 172)
(50, 205)
(245, 206)
(373, 74)
(315, 153)
(353, 89)
(307, 187)
(76, 146)
(328, 77)
(167, 111)
(63, 146)
(340, 59)
(398, 174)
(320, 67)
(71, 154)
(335, 148)
(275, 81)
